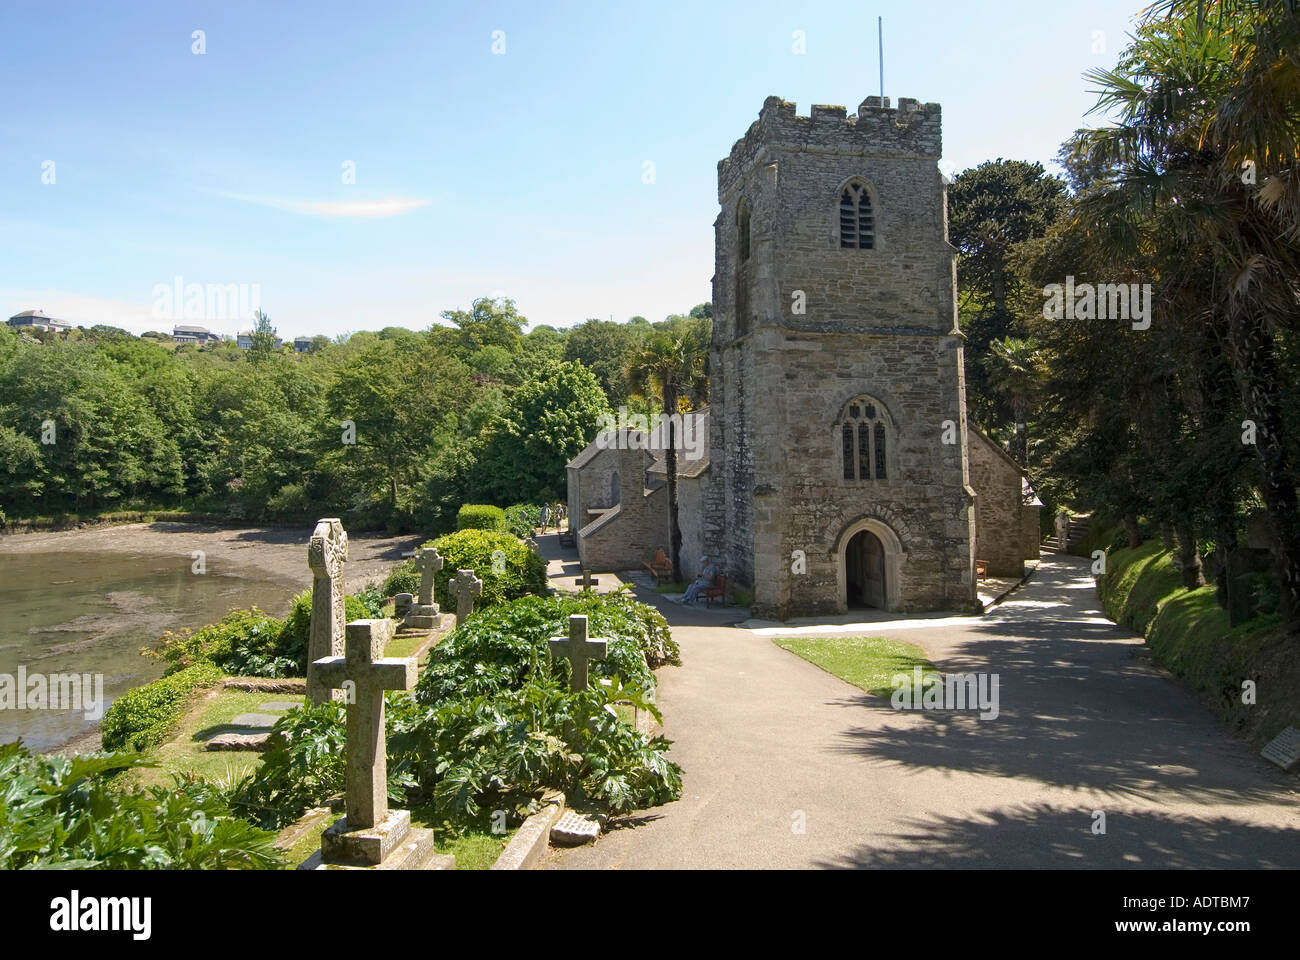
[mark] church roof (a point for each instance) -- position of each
(689, 463)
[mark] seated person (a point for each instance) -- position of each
(708, 573)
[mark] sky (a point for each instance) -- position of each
(562, 154)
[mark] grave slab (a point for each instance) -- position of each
(278, 706)
(1284, 749)
(255, 720)
(237, 741)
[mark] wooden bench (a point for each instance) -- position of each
(719, 590)
(660, 567)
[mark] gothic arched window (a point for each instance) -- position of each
(863, 436)
(742, 230)
(741, 270)
(857, 225)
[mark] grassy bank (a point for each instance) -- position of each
(1190, 635)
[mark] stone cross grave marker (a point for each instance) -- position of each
(424, 612)
(326, 554)
(1284, 749)
(578, 649)
(428, 562)
(369, 831)
(466, 587)
(587, 580)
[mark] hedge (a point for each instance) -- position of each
(508, 568)
(142, 718)
(481, 516)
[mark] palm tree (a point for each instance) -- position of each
(1015, 370)
(670, 363)
(1205, 152)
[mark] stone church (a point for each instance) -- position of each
(839, 469)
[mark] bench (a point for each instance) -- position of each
(718, 590)
(660, 567)
(981, 569)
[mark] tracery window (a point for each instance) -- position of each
(863, 439)
(857, 223)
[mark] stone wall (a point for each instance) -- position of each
(999, 513)
(629, 534)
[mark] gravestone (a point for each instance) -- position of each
(578, 650)
(587, 581)
(369, 835)
(465, 587)
(326, 554)
(1284, 749)
(573, 829)
(423, 613)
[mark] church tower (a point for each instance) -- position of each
(839, 474)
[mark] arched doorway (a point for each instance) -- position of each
(864, 572)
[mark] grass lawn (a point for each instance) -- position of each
(184, 753)
(866, 662)
(404, 646)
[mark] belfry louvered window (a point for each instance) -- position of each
(857, 225)
(862, 440)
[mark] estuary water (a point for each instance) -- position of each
(89, 614)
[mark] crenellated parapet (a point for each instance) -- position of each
(911, 129)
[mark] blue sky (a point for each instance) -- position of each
(477, 173)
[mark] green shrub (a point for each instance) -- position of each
(142, 717)
(509, 569)
(522, 519)
(243, 642)
(481, 516)
(65, 813)
(404, 579)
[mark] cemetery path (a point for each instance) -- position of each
(1087, 723)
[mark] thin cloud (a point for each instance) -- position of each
(390, 207)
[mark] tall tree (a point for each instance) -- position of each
(669, 363)
(1207, 101)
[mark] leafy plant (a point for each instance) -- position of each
(65, 813)
(492, 722)
(522, 519)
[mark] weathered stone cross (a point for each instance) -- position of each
(588, 581)
(578, 650)
(326, 554)
(466, 587)
(428, 563)
(366, 678)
